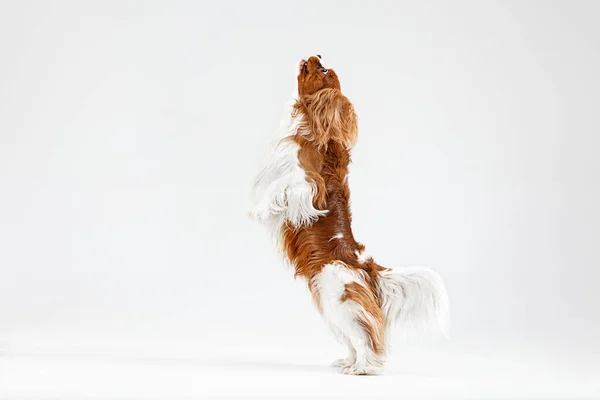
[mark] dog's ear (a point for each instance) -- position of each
(331, 116)
(312, 161)
(331, 80)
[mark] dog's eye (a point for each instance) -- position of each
(324, 70)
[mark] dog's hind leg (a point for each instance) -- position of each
(350, 309)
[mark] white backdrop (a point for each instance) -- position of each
(130, 132)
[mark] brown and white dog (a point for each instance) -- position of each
(302, 195)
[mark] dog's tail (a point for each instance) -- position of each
(413, 297)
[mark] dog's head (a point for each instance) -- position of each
(330, 115)
(312, 77)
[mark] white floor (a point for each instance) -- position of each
(284, 373)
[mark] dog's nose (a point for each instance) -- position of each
(318, 55)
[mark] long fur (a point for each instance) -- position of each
(331, 117)
(414, 297)
(303, 196)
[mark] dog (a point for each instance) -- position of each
(302, 195)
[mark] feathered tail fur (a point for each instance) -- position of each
(413, 297)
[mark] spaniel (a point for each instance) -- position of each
(302, 195)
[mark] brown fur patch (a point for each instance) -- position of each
(374, 326)
(311, 162)
(316, 296)
(331, 117)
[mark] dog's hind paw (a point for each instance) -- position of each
(341, 363)
(354, 369)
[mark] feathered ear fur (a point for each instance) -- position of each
(329, 115)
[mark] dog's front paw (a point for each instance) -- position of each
(259, 213)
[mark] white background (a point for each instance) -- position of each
(129, 135)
